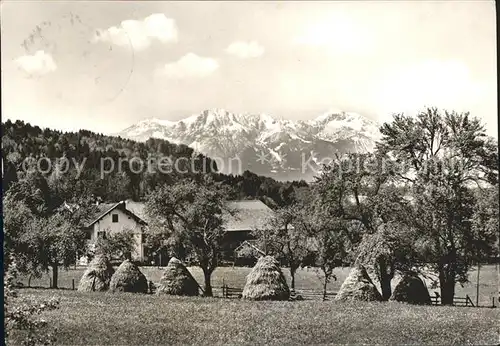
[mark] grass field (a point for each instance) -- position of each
(307, 279)
(127, 319)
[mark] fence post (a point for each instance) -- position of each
(50, 282)
(29, 281)
(477, 284)
(73, 284)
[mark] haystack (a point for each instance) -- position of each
(266, 281)
(177, 280)
(97, 275)
(358, 286)
(411, 289)
(128, 278)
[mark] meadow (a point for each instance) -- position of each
(127, 319)
(102, 318)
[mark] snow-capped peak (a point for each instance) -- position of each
(327, 114)
(220, 133)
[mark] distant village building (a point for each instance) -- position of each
(247, 253)
(129, 215)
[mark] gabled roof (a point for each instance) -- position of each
(138, 208)
(104, 209)
(250, 215)
(251, 245)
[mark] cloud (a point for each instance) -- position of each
(439, 83)
(189, 66)
(140, 33)
(339, 35)
(39, 63)
(245, 50)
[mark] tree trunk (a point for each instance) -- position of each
(325, 282)
(208, 285)
(385, 286)
(447, 287)
(55, 275)
(385, 278)
(293, 269)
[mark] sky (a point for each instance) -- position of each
(104, 66)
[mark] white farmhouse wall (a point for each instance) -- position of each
(125, 222)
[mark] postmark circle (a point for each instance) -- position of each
(96, 72)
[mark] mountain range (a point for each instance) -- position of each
(282, 149)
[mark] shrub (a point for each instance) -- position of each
(20, 324)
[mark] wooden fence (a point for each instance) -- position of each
(307, 294)
(457, 301)
(50, 283)
(313, 295)
(233, 292)
(20, 283)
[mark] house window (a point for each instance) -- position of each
(115, 217)
(101, 235)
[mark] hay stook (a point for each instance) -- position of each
(411, 289)
(177, 280)
(358, 286)
(97, 276)
(128, 278)
(266, 281)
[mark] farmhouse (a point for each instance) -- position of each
(129, 215)
(111, 218)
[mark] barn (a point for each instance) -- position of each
(250, 215)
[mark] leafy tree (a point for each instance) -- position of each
(16, 215)
(192, 212)
(52, 243)
(39, 233)
(34, 191)
(9, 174)
(160, 239)
(20, 324)
(359, 188)
(443, 156)
(286, 237)
(119, 245)
(330, 240)
(485, 223)
(393, 247)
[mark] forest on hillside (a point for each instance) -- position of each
(107, 167)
